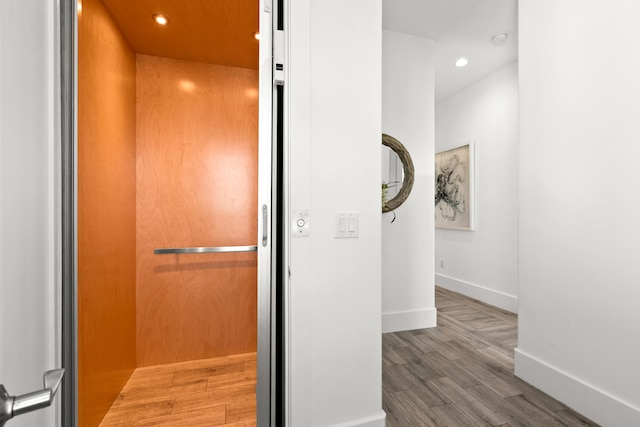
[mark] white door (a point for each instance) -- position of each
(28, 202)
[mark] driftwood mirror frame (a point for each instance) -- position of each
(407, 181)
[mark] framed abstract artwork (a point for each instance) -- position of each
(454, 191)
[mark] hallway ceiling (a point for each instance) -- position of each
(215, 32)
(461, 28)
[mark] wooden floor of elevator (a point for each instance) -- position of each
(208, 392)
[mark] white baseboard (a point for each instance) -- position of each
(378, 420)
(592, 402)
(409, 320)
(486, 295)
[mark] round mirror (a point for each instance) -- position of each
(392, 172)
(398, 169)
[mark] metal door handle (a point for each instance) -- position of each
(10, 406)
(265, 226)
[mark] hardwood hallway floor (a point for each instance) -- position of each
(208, 392)
(461, 373)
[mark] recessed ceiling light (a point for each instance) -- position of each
(461, 62)
(499, 39)
(256, 36)
(161, 19)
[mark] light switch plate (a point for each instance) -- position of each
(347, 225)
(300, 223)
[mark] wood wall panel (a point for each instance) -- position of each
(106, 212)
(197, 142)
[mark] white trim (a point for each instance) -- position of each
(475, 291)
(373, 421)
(589, 400)
(264, 384)
(55, 202)
(409, 320)
(298, 194)
(286, 206)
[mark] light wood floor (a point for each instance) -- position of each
(461, 373)
(209, 392)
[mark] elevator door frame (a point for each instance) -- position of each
(270, 387)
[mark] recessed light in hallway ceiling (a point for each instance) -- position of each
(461, 62)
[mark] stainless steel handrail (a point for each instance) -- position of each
(205, 250)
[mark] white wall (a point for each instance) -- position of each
(407, 243)
(579, 333)
(334, 141)
(483, 264)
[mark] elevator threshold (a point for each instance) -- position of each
(207, 392)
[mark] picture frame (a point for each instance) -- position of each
(455, 188)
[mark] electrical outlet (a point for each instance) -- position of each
(441, 263)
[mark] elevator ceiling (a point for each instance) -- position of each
(210, 31)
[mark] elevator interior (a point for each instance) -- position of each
(167, 158)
